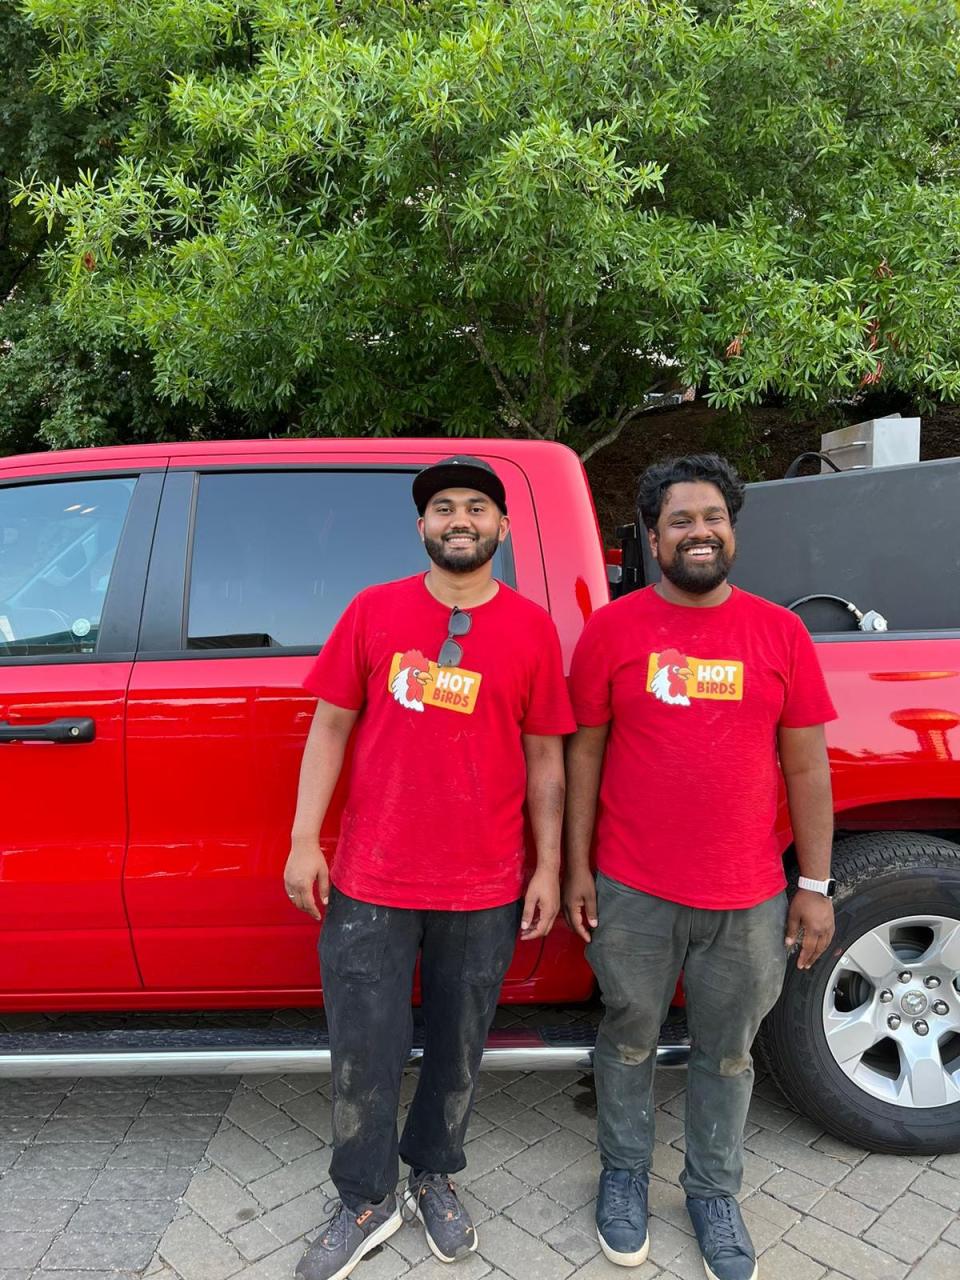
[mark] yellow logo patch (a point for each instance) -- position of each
(416, 683)
(675, 679)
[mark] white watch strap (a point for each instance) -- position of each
(815, 886)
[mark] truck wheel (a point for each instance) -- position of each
(867, 1042)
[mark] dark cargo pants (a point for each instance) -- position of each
(367, 959)
(734, 964)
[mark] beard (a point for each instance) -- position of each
(465, 561)
(697, 579)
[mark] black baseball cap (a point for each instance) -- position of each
(462, 471)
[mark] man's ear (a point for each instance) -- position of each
(504, 527)
(653, 542)
(420, 527)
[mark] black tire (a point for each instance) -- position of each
(883, 877)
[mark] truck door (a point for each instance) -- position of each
(73, 553)
(253, 564)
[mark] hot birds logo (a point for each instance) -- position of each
(417, 683)
(409, 683)
(675, 679)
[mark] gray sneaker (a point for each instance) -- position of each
(451, 1234)
(728, 1252)
(348, 1237)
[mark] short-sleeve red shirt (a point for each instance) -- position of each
(434, 811)
(694, 698)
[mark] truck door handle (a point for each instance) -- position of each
(81, 729)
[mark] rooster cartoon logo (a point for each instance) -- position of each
(408, 684)
(669, 683)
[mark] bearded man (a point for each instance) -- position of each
(692, 699)
(452, 686)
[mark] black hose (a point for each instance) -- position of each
(822, 595)
(794, 468)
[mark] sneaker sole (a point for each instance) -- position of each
(624, 1259)
(434, 1247)
(383, 1232)
(713, 1276)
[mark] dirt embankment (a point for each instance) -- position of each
(763, 445)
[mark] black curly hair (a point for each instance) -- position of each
(709, 467)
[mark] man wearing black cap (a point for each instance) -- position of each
(454, 685)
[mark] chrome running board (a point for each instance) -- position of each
(246, 1051)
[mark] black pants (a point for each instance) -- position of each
(367, 957)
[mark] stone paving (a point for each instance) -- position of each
(206, 1179)
(93, 1169)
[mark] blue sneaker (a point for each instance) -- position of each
(622, 1217)
(728, 1252)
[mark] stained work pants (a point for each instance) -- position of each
(367, 959)
(733, 964)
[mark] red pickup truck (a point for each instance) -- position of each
(159, 606)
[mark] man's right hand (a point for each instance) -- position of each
(580, 902)
(306, 867)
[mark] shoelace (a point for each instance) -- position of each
(617, 1197)
(408, 1205)
(334, 1231)
(439, 1184)
(724, 1227)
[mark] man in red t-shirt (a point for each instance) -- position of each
(452, 685)
(692, 698)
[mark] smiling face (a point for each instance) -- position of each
(461, 529)
(694, 542)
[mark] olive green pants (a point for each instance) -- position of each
(733, 964)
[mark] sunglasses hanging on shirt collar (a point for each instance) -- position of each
(451, 652)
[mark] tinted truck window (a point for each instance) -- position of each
(58, 541)
(278, 556)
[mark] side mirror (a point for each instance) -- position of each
(631, 560)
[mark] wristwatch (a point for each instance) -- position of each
(827, 887)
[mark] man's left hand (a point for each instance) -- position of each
(812, 915)
(540, 906)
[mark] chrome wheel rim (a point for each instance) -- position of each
(891, 1012)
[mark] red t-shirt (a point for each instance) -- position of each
(434, 811)
(694, 697)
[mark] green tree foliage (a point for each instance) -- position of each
(38, 382)
(62, 385)
(513, 215)
(55, 388)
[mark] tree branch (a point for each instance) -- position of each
(612, 435)
(536, 42)
(594, 367)
(543, 400)
(23, 265)
(623, 417)
(477, 336)
(567, 337)
(479, 341)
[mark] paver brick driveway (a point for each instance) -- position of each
(207, 1178)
